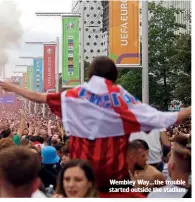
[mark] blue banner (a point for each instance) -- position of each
(38, 74)
(9, 99)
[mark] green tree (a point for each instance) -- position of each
(162, 39)
(181, 70)
(164, 65)
(131, 80)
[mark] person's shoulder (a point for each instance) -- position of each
(53, 96)
(38, 194)
(157, 175)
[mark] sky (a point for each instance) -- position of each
(35, 29)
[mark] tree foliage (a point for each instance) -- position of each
(169, 60)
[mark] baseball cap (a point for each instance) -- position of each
(49, 155)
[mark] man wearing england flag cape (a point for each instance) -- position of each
(99, 117)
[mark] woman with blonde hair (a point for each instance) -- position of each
(76, 180)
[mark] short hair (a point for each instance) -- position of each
(58, 146)
(24, 142)
(5, 133)
(32, 147)
(138, 144)
(6, 143)
(19, 166)
(103, 66)
(182, 157)
(89, 173)
(36, 139)
(65, 150)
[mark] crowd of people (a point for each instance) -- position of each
(102, 142)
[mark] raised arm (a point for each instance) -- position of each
(150, 118)
(22, 124)
(31, 95)
(184, 114)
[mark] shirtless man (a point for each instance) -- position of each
(145, 176)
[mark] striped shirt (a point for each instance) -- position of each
(99, 117)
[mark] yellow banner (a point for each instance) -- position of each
(124, 39)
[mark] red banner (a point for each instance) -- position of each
(49, 66)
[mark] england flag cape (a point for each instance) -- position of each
(100, 109)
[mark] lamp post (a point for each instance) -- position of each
(145, 79)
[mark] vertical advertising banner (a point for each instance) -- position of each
(38, 74)
(30, 77)
(70, 51)
(49, 66)
(124, 39)
(24, 80)
(16, 80)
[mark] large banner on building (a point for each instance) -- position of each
(70, 51)
(124, 38)
(16, 80)
(38, 74)
(24, 80)
(49, 66)
(30, 77)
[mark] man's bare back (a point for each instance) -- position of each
(148, 177)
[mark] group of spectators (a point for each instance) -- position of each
(114, 145)
(34, 153)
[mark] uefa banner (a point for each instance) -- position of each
(49, 66)
(124, 38)
(30, 77)
(70, 51)
(24, 80)
(16, 80)
(38, 74)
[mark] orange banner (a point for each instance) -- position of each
(24, 80)
(124, 39)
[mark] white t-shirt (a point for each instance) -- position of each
(38, 194)
(153, 140)
(165, 171)
(169, 191)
